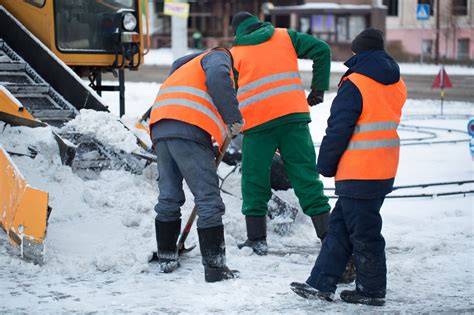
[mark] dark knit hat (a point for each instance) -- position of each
(368, 39)
(239, 18)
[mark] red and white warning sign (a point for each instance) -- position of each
(442, 80)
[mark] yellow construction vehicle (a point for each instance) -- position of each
(90, 36)
(41, 41)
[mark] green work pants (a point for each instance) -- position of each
(296, 148)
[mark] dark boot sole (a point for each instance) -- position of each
(359, 299)
(309, 294)
(219, 274)
(256, 250)
(371, 302)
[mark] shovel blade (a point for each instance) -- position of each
(184, 250)
(181, 251)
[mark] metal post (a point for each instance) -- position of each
(437, 32)
(421, 52)
(179, 35)
(442, 100)
(122, 91)
(442, 88)
(98, 83)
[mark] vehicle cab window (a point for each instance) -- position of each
(89, 25)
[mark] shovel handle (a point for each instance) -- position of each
(186, 230)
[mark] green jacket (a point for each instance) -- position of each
(306, 47)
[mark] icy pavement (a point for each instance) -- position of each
(101, 234)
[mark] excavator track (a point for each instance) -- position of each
(35, 94)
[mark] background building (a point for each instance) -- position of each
(336, 22)
(410, 38)
(211, 18)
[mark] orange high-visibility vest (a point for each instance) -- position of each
(270, 85)
(374, 149)
(184, 96)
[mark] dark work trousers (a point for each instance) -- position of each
(178, 159)
(354, 228)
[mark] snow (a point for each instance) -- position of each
(103, 126)
(164, 57)
(101, 232)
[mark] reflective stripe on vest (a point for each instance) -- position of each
(194, 105)
(376, 126)
(271, 92)
(374, 144)
(189, 90)
(271, 78)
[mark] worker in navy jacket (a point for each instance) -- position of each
(361, 150)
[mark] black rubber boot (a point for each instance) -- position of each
(212, 245)
(166, 237)
(321, 223)
(352, 296)
(308, 292)
(256, 235)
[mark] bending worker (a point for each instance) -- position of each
(197, 102)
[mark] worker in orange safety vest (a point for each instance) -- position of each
(361, 150)
(276, 112)
(195, 105)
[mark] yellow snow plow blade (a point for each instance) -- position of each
(23, 211)
(12, 112)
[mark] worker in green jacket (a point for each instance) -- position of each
(276, 113)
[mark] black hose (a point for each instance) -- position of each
(433, 195)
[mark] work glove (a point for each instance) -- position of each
(315, 97)
(234, 128)
(321, 223)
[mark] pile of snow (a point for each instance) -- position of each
(101, 234)
(105, 127)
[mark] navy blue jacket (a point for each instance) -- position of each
(217, 66)
(345, 111)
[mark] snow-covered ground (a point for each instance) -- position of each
(101, 234)
(163, 56)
